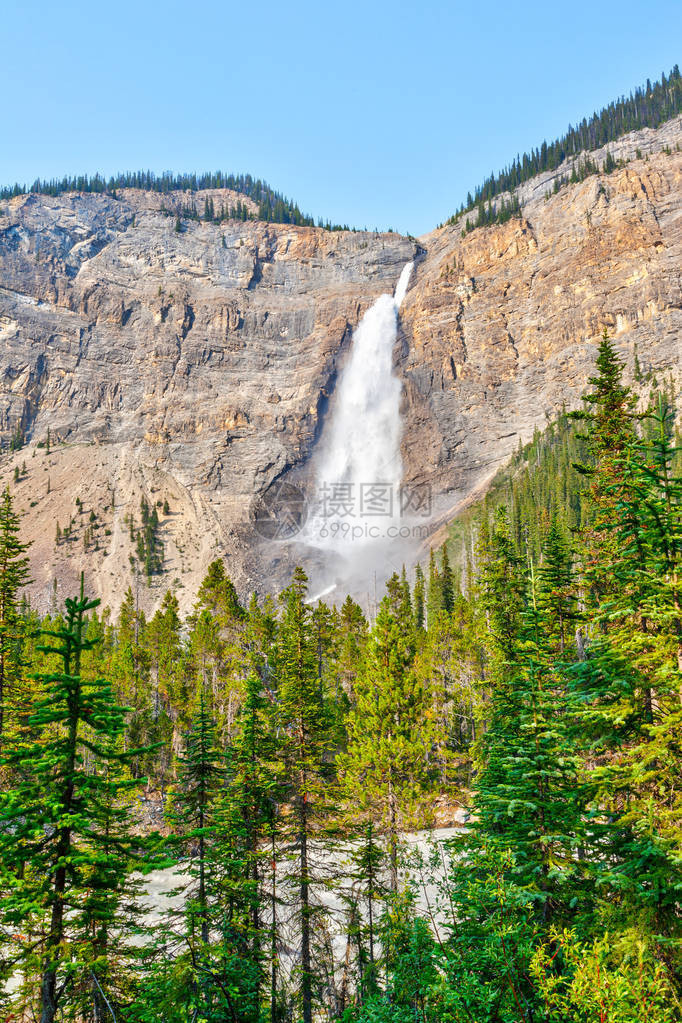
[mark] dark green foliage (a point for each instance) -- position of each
(66, 848)
(217, 594)
(434, 591)
(609, 405)
(149, 546)
(419, 599)
(303, 715)
(447, 593)
(272, 205)
(528, 795)
(212, 947)
(13, 577)
(490, 213)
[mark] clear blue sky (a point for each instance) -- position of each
(369, 113)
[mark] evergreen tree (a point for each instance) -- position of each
(527, 795)
(304, 717)
(13, 576)
(258, 789)
(66, 845)
(419, 601)
(556, 597)
(639, 615)
(162, 638)
(435, 591)
(218, 595)
(351, 634)
(213, 942)
(389, 732)
(446, 581)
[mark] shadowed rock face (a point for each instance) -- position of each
(192, 366)
(197, 367)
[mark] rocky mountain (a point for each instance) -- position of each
(195, 368)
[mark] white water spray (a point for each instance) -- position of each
(359, 473)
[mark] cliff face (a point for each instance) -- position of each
(502, 325)
(192, 367)
(196, 367)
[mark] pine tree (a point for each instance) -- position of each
(435, 590)
(446, 581)
(14, 575)
(213, 942)
(640, 618)
(389, 732)
(368, 869)
(66, 846)
(196, 984)
(518, 868)
(419, 599)
(219, 596)
(609, 415)
(351, 636)
(257, 788)
(450, 658)
(199, 780)
(304, 717)
(557, 600)
(163, 641)
(527, 796)
(216, 662)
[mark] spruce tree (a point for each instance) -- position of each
(556, 596)
(14, 575)
(200, 777)
(446, 581)
(609, 414)
(214, 940)
(257, 789)
(66, 844)
(304, 717)
(163, 648)
(218, 595)
(641, 621)
(351, 636)
(434, 591)
(419, 599)
(518, 868)
(386, 767)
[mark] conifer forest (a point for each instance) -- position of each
(212, 819)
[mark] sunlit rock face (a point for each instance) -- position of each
(501, 326)
(199, 366)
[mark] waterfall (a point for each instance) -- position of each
(357, 487)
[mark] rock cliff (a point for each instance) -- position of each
(502, 324)
(197, 367)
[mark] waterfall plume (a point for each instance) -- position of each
(359, 468)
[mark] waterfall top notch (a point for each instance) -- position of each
(401, 286)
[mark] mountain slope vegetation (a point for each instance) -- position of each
(648, 106)
(536, 683)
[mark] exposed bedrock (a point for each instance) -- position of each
(198, 366)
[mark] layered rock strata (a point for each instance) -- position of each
(197, 367)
